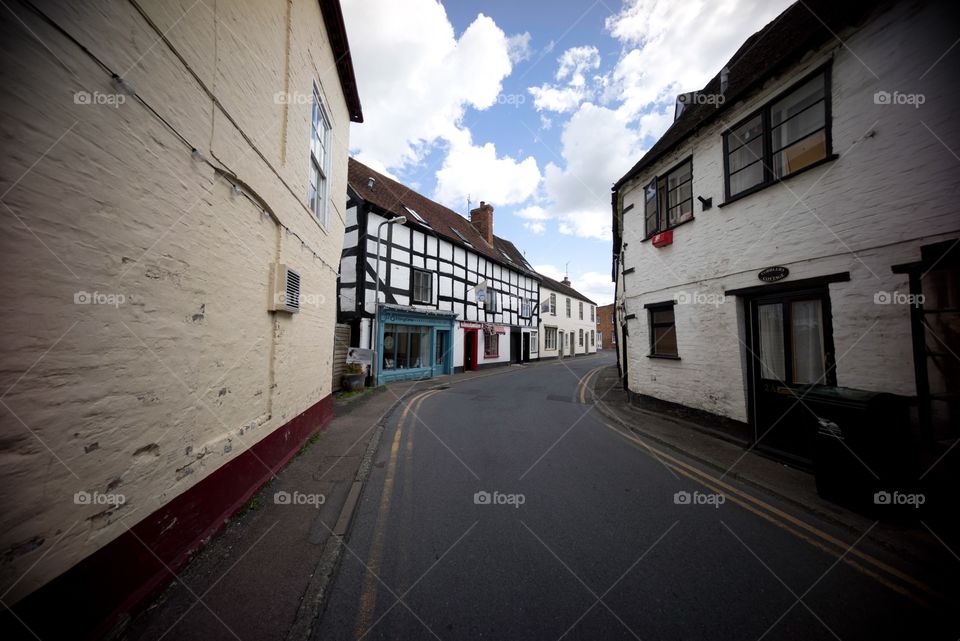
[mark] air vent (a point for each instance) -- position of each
(286, 289)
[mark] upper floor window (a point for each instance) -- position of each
(319, 158)
(553, 304)
(592, 315)
(581, 310)
(568, 308)
(422, 286)
(668, 199)
(788, 134)
(490, 302)
(526, 308)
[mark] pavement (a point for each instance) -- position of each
(534, 502)
(264, 575)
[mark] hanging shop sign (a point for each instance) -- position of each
(773, 274)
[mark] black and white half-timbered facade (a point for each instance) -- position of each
(452, 296)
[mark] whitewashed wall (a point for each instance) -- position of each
(892, 190)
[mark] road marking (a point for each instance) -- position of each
(368, 595)
(582, 386)
(773, 515)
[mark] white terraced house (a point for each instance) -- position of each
(797, 225)
(569, 320)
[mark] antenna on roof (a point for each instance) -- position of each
(566, 270)
(468, 203)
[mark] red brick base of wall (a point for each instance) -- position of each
(90, 598)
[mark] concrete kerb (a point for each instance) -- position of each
(834, 518)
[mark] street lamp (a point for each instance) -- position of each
(399, 220)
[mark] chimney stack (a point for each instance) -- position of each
(482, 219)
(565, 281)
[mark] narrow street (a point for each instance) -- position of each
(584, 535)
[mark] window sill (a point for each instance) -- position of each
(664, 356)
(753, 190)
(660, 231)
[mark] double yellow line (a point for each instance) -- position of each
(583, 386)
(863, 562)
(368, 594)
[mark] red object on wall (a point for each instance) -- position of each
(663, 239)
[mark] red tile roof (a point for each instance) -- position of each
(397, 199)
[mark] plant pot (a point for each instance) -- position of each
(353, 382)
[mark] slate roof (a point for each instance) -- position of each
(802, 27)
(394, 198)
(559, 287)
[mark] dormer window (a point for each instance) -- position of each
(416, 216)
(461, 237)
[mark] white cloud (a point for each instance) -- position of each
(572, 66)
(533, 212)
(477, 171)
(416, 78)
(596, 286)
(518, 47)
(662, 59)
(597, 146)
(535, 227)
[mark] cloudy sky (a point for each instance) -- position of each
(535, 107)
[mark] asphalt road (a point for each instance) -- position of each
(584, 538)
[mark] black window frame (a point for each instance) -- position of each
(651, 326)
(767, 132)
(661, 200)
(414, 271)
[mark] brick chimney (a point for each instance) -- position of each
(565, 281)
(482, 219)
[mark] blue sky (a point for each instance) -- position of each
(535, 107)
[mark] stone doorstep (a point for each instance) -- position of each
(790, 484)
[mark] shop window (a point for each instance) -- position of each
(405, 347)
(491, 345)
(550, 337)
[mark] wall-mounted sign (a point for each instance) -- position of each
(363, 356)
(663, 239)
(490, 328)
(471, 325)
(773, 274)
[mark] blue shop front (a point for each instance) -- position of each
(413, 343)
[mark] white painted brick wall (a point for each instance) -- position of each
(892, 190)
(149, 397)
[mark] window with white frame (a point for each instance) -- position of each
(534, 345)
(319, 159)
(526, 308)
(550, 338)
(490, 302)
(581, 310)
(581, 338)
(553, 304)
(422, 286)
(568, 308)
(593, 318)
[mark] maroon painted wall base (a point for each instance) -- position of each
(90, 598)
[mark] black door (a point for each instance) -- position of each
(515, 354)
(526, 348)
(791, 346)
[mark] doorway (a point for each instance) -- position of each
(560, 345)
(526, 347)
(791, 346)
(516, 354)
(470, 363)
